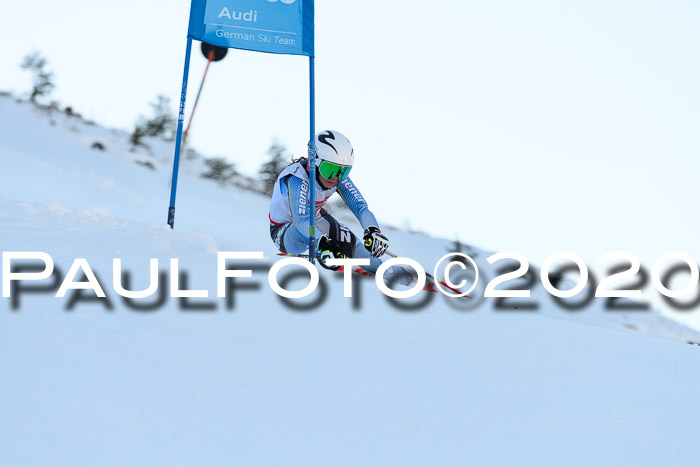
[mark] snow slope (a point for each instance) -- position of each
(253, 381)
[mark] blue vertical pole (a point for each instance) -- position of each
(312, 162)
(178, 138)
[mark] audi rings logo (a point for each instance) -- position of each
(286, 2)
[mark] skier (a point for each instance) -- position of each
(289, 207)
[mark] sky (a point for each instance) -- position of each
(530, 126)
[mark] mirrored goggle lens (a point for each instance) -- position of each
(330, 171)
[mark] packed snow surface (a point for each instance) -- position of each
(250, 380)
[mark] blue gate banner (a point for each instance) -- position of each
(274, 26)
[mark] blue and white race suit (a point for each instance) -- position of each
(289, 214)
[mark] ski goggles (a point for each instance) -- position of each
(329, 171)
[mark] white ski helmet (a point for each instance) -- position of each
(333, 146)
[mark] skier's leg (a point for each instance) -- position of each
(288, 239)
(348, 242)
(354, 248)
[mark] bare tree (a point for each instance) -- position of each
(272, 168)
(162, 123)
(42, 80)
(219, 170)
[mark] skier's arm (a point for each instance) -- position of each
(357, 204)
(374, 240)
(298, 196)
